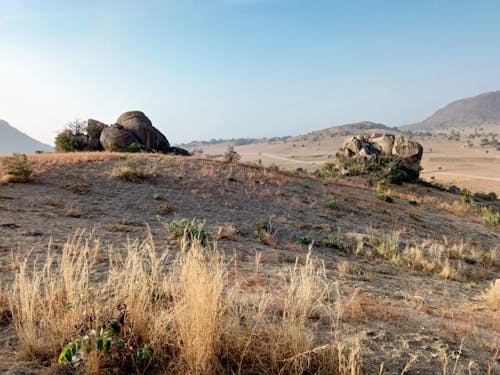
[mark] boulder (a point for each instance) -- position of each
(394, 156)
(94, 130)
(407, 150)
(384, 143)
(142, 128)
(117, 138)
(177, 151)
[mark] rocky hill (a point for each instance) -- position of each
(12, 140)
(475, 111)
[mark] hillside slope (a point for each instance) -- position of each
(407, 280)
(13, 140)
(483, 109)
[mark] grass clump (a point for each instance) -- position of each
(134, 169)
(490, 217)
(16, 168)
(181, 316)
(383, 189)
(335, 242)
(264, 232)
(332, 204)
(187, 232)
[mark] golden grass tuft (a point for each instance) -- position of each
(492, 295)
(194, 318)
(16, 168)
(135, 169)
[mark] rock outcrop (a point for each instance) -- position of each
(132, 132)
(117, 138)
(94, 130)
(150, 137)
(363, 153)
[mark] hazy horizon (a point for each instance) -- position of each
(241, 68)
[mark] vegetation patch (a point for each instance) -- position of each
(16, 168)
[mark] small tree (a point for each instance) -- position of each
(77, 127)
(231, 156)
(73, 138)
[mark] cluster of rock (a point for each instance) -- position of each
(133, 131)
(377, 150)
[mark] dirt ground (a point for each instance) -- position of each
(403, 317)
(444, 161)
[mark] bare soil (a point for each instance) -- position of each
(403, 317)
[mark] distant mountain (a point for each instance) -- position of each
(12, 140)
(354, 129)
(476, 111)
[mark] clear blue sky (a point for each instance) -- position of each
(204, 69)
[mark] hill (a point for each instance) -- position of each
(387, 285)
(13, 140)
(480, 110)
(354, 129)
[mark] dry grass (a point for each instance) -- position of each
(48, 161)
(135, 169)
(71, 210)
(15, 168)
(185, 309)
(227, 232)
(492, 296)
(446, 259)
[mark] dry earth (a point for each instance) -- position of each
(445, 161)
(426, 321)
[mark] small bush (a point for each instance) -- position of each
(305, 240)
(334, 242)
(187, 232)
(385, 197)
(466, 196)
(230, 177)
(490, 217)
(231, 156)
(136, 147)
(68, 141)
(332, 204)
(17, 168)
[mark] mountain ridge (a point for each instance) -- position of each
(479, 110)
(13, 140)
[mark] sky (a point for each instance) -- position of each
(203, 69)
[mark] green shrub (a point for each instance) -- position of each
(100, 341)
(385, 197)
(466, 196)
(67, 141)
(17, 168)
(332, 204)
(305, 240)
(187, 231)
(136, 147)
(490, 217)
(334, 242)
(231, 156)
(328, 169)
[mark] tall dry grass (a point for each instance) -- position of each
(185, 307)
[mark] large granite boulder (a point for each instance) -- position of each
(393, 155)
(94, 130)
(117, 138)
(407, 150)
(150, 137)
